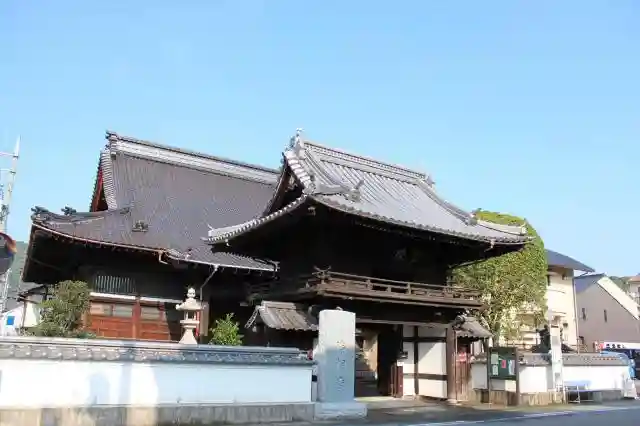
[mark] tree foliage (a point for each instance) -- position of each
(622, 282)
(62, 315)
(226, 332)
(510, 283)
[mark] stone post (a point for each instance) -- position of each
(335, 357)
(555, 350)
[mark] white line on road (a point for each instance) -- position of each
(527, 416)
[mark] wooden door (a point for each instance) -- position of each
(463, 371)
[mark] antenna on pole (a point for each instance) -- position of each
(7, 180)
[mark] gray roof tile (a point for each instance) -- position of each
(558, 259)
(176, 193)
(283, 316)
(471, 327)
(376, 190)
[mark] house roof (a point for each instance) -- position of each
(161, 198)
(557, 259)
(584, 282)
(372, 189)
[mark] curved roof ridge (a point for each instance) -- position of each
(40, 214)
(219, 235)
(361, 159)
(187, 158)
(452, 208)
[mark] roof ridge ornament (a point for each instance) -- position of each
(299, 131)
(354, 193)
(296, 139)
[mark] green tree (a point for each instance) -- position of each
(62, 315)
(510, 283)
(226, 332)
(622, 282)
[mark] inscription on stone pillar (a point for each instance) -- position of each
(336, 356)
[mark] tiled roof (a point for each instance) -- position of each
(282, 316)
(173, 196)
(558, 259)
(376, 190)
(471, 327)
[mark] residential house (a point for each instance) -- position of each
(634, 288)
(561, 301)
(605, 311)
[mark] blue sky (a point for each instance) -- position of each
(531, 108)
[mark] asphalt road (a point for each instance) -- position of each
(627, 416)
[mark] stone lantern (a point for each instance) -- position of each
(190, 307)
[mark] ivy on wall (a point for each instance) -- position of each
(511, 283)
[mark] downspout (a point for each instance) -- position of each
(24, 312)
(575, 307)
(200, 294)
(213, 271)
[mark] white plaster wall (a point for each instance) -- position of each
(408, 368)
(536, 379)
(51, 383)
(431, 360)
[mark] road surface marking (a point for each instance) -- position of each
(527, 416)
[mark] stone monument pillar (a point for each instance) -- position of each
(555, 350)
(335, 357)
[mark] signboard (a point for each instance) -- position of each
(502, 363)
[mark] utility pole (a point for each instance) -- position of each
(7, 180)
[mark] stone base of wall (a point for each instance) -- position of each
(538, 399)
(158, 416)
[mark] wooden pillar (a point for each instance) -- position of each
(450, 351)
(416, 361)
(399, 376)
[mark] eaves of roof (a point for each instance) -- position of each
(85, 232)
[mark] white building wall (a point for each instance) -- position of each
(47, 375)
(24, 315)
(562, 306)
(431, 368)
(538, 379)
(48, 383)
